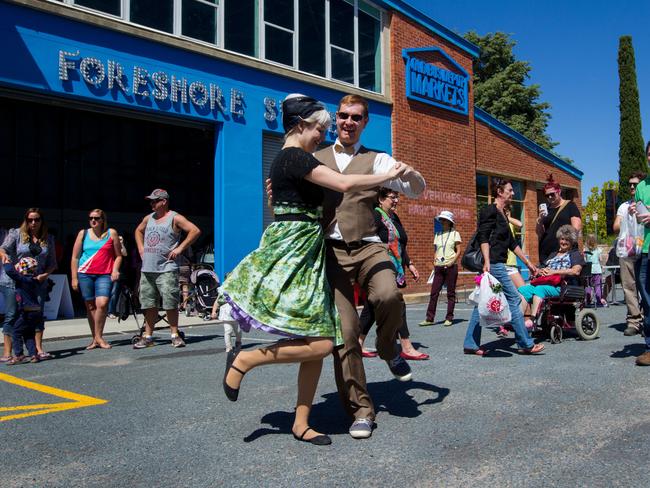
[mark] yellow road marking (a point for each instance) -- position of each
(77, 400)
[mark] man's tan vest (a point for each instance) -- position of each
(354, 211)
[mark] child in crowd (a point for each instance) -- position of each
(221, 311)
(29, 314)
(592, 255)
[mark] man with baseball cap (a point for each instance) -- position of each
(158, 240)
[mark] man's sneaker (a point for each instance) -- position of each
(177, 341)
(400, 368)
(425, 323)
(361, 428)
(143, 342)
(643, 359)
(448, 323)
(630, 330)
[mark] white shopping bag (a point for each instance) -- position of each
(493, 309)
(474, 296)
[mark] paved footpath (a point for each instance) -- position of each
(575, 416)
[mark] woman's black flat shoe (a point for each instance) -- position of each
(319, 440)
(231, 393)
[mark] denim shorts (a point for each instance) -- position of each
(94, 285)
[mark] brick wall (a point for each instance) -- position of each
(449, 149)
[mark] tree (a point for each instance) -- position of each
(500, 90)
(596, 205)
(631, 153)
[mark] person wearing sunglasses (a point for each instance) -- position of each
(32, 240)
(559, 212)
(355, 253)
(95, 265)
(626, 221)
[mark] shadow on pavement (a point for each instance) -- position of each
(619, 327)
(328, 416)
(629, 350)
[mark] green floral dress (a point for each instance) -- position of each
(281, 286)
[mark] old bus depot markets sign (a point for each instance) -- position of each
(434, 85)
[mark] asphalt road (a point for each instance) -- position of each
(574, 416)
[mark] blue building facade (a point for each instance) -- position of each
(54, 59)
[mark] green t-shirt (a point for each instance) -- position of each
(643, 195)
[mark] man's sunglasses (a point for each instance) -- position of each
(354, 117)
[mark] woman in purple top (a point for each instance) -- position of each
(31, 239)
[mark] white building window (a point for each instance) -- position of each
(335, 39)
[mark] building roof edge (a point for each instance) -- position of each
(424, 20)
(491, 121)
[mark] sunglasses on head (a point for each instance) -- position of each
(37, 219)
(354, 117)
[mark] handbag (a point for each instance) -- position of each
(472, 259)
(551, 280)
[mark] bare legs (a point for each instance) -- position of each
(151, 317)
(96, 311)
(309, 352)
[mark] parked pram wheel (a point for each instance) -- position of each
(555, 334)
(587, 325)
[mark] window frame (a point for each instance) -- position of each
(260, 26)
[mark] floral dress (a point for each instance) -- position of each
(281, 286)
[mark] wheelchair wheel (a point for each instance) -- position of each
(555, 334)
(587, 325)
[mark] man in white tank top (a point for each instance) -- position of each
(158, 241)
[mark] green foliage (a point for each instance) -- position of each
(500, 89)
(631, 152)
(596, 205)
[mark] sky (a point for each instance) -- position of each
(572, 46)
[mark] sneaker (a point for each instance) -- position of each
(177, 341)
(361, 428)
(448, 323)
(143, 342)
(425, 323)
(400, 368)
(630, 330)
(643, 359)
(112, 316)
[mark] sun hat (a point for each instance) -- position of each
(447, 215)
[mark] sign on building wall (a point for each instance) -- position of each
(434, 78)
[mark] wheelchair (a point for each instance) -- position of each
(568, 311)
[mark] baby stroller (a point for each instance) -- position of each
(205, 284)
(568, 311)
(127, 306)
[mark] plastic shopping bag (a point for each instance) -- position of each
(474, 296)
(630, 238)
(493, 309)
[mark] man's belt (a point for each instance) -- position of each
(347, 245)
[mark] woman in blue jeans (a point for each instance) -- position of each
(31, 239)
(495, 238)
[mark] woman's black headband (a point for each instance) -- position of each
(298, 108)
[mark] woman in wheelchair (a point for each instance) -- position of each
(565, 264)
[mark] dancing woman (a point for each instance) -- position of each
(281, 286)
